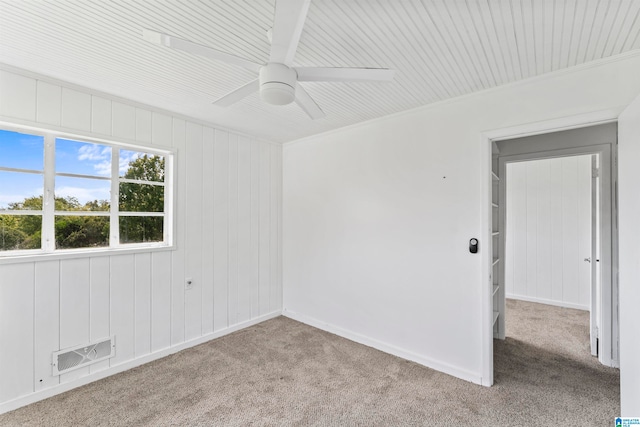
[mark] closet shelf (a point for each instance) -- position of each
(497, 236)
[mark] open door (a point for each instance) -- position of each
(594, 259)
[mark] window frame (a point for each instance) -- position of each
(48, 212)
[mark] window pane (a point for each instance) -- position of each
(21, 191)
(141, 166)
(82, 158)
(141, 197)
(81, 231)
(19, 232)
(21, 151)
(139, 229)
(82, 194)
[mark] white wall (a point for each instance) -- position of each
(378, 216)
(629, 213)
(548, 231)
(227, 240)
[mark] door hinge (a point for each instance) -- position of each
(596, 332)
(595, 173)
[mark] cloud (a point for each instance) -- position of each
(103, 168)
(93, 152)
(84, 195)
(99, 154)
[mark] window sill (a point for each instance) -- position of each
(82, 253)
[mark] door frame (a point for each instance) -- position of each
(486, 141)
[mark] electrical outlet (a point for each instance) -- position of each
(188, 283)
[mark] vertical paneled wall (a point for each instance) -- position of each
(549, 231)
(227, 239)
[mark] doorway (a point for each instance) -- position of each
(572, 137)
(551, 235)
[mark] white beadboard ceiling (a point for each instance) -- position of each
(439, 48)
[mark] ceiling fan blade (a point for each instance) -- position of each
(197, 49)
(236, 95)
(304, 100)
(325, 74)
(288, 21)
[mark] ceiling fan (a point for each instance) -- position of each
(278, 81)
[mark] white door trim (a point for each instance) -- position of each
(486, 140)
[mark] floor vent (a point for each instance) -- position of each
(77, 357)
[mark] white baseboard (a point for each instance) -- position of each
(124, 366)
(387, 348)
(548, 302)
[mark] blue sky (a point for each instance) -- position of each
(23, 151)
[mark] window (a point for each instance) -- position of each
(59, 193)
(21, 168)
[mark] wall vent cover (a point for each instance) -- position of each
(84, 355)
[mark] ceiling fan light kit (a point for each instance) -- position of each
(278, 82)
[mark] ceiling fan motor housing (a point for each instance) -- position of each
(277, 84)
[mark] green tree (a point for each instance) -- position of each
(81, 231)
(29, 225)
(25, 231)
(11, 236)
(97, 205)
(146, 168)
(33, 203)
(142, 198)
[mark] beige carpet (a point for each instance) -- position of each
(282, 372)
